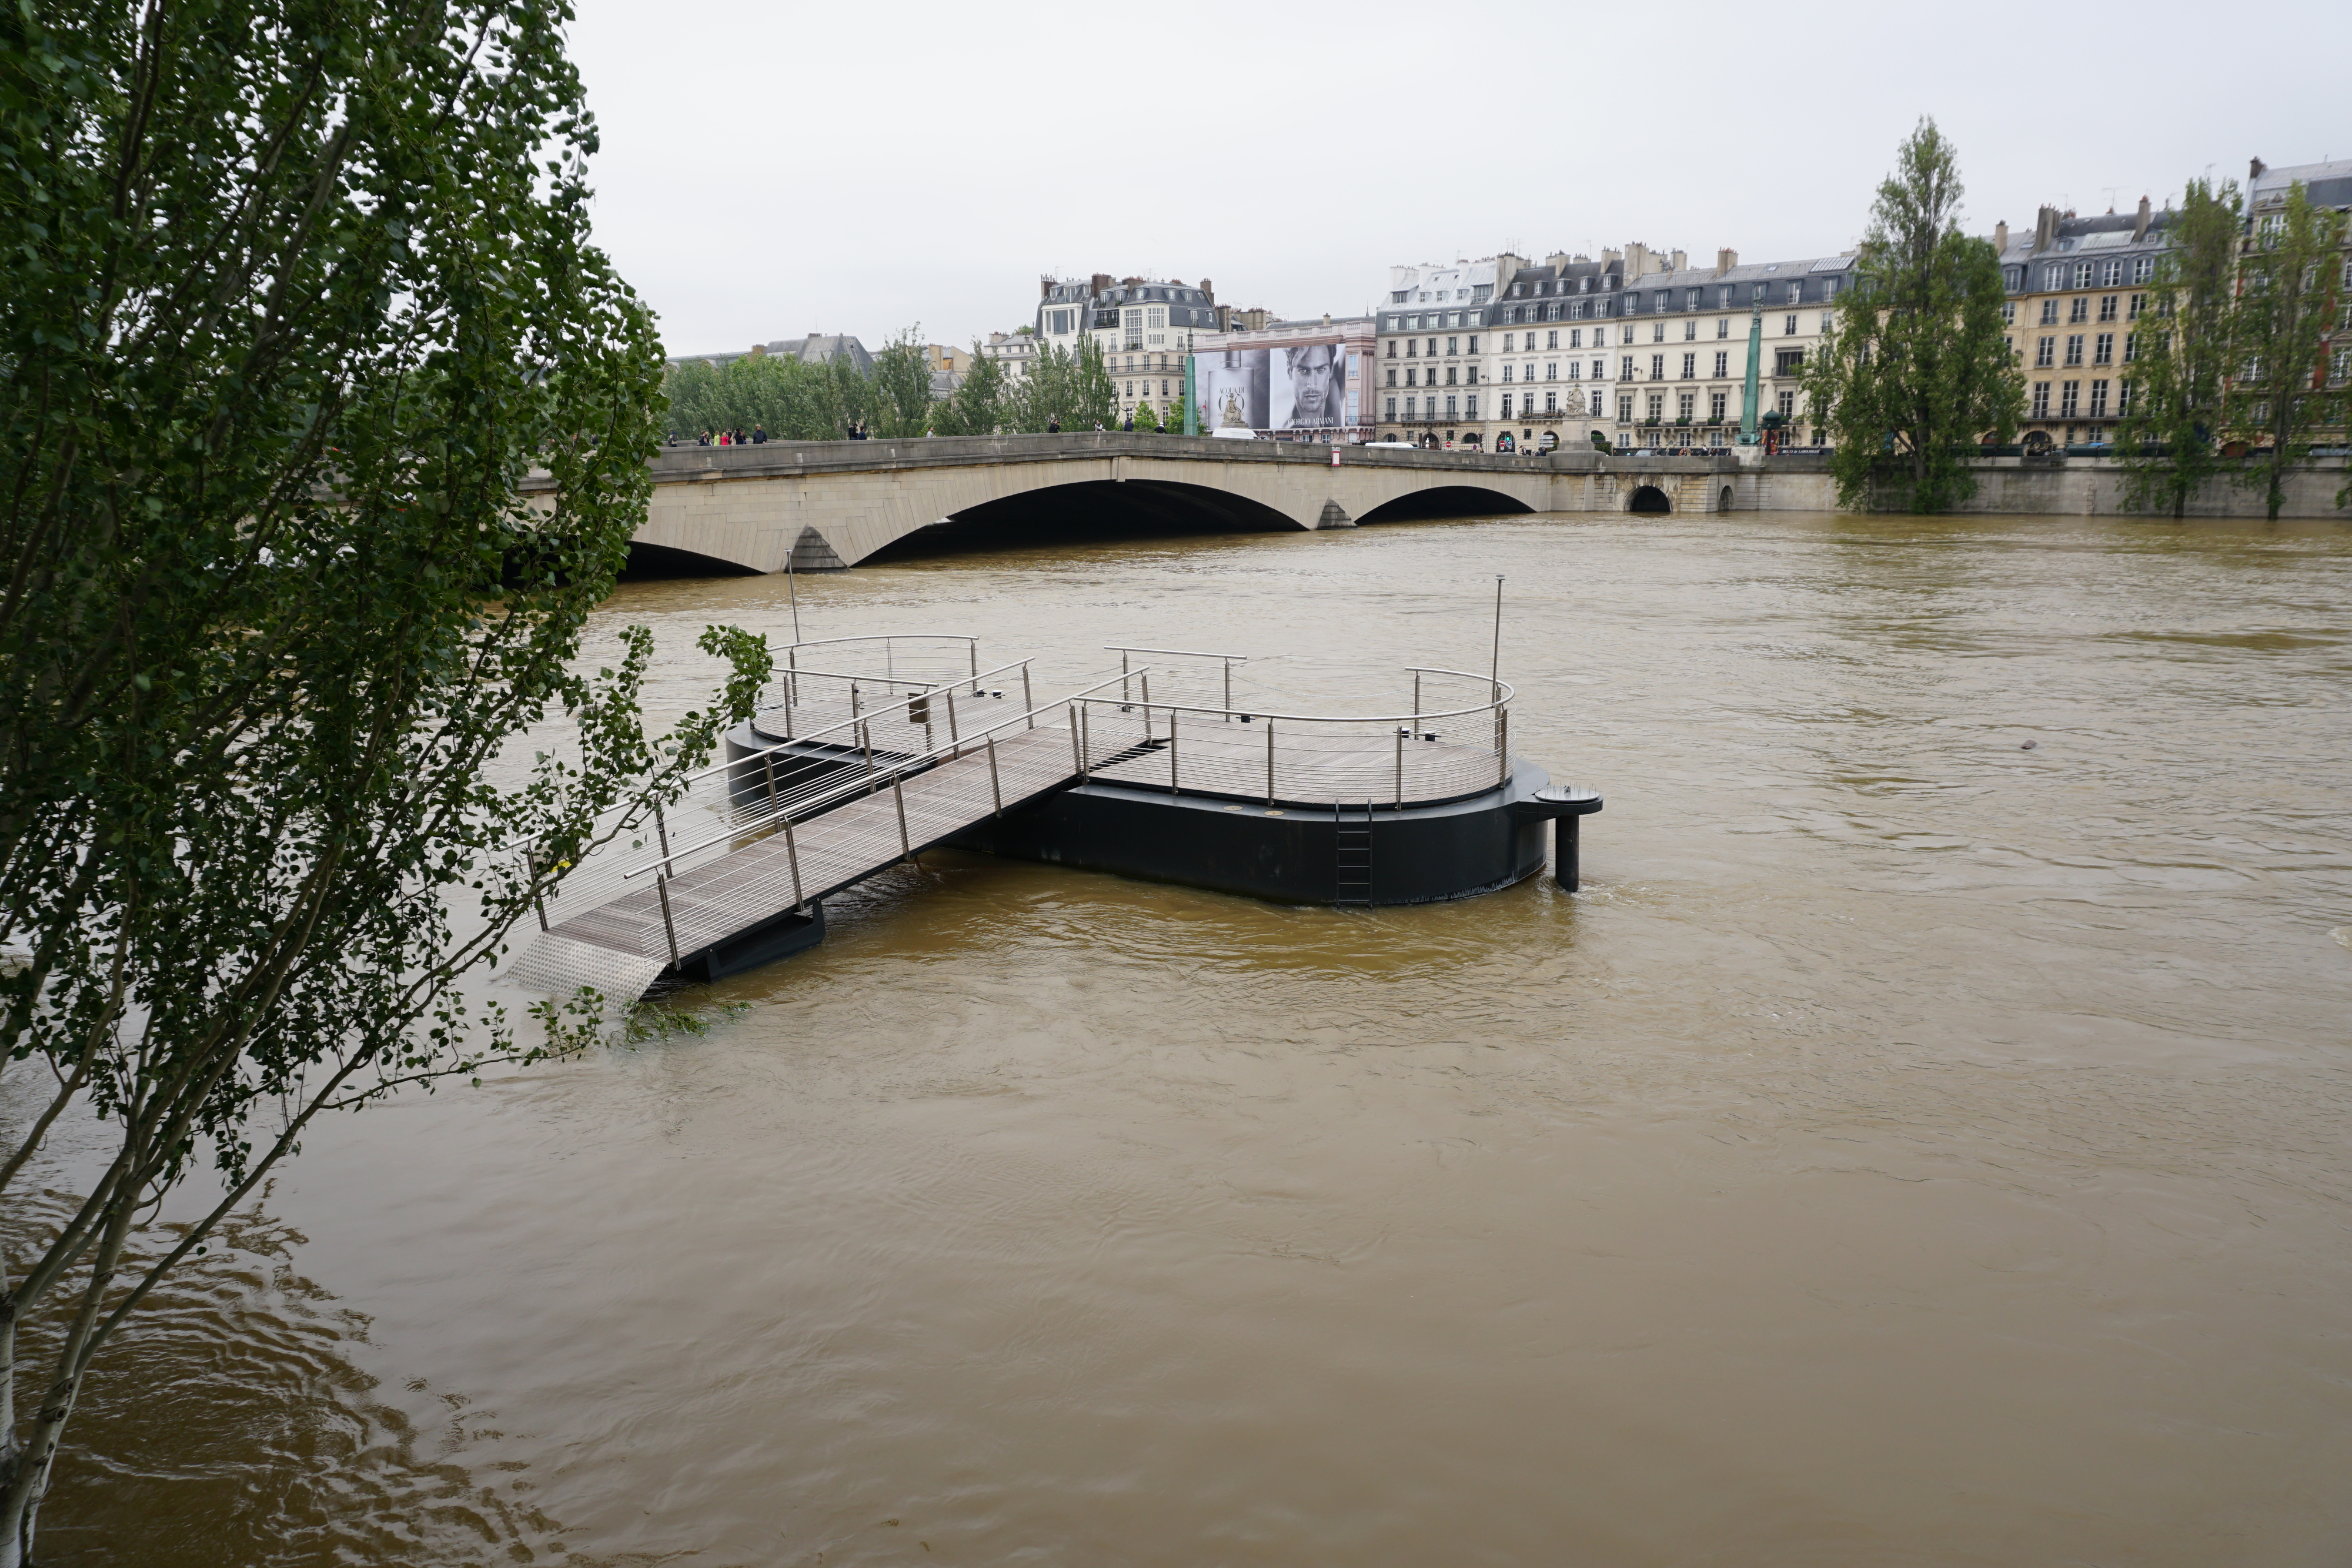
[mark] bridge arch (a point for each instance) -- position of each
(653, 563)
(1446, 501)
(1084, 510)
(1649, 499)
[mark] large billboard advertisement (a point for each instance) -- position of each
(1300, 388)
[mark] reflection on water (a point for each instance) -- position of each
(1910, 1148)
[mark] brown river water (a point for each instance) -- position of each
(1910, 1148)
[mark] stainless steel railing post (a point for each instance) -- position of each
(792, 858)
(899, 792)
(1400, 774)
(1028, 703)
(1502, 747)
(995, 790)
(973, 648)
(1172, 787)
(952, 738)
(1147, 706)
(1085, 739)
(661, 887)
(1269, 762)
(661, 830)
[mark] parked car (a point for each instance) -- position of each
(1393, 445)
(1231, 434)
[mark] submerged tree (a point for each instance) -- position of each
(297, 299)
(2177, 355)
(901, 397)
(1916, 368)
(2289, 283)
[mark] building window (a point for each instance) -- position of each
(1788, 329)
(1625, 410)
(1575, 338)
(1449, 407)
(2131, 347)
(1657, 367)
(1596, 405)
(1626, 368)
(1506, 405)
(2111, 273)
(1788, 405)
(1411, 404)
(1506, 372)
(1413, 377)
(2103, 352)
(1716, 403)
(2138, 304)
(2050, 313)
(1600, 369)
(1723, 326)
(1657, 403)
(1657, 331)
(1552, 369)
(2008, 313)
(2143, 269)
(2045, 351)
(2082, 275)
(1551, 403)
(1392, 376)
(2070, 399)
(1690, 366)
(2077, 311)
(2098, 400)
(1470, 406)
(1552, 340)
(2123, 400)
(2041, 400)
(1452, 376)
(2107, 308)
(1687, 405)
(2074, 348)
(1453, 345)
(1391, 408)
(1574, 368)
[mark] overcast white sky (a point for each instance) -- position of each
(771, 169)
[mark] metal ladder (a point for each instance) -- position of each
(1353, 883)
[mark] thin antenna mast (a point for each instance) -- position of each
(793, 588)
(1495, 671)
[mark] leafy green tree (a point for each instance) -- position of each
(2287, 294)
(901, 386)
(295, 303)
(1915, 369)
(2178, 355)
(1093, 395)
(1146, 417)
(978, 406)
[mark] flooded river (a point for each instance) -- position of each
(1911, 1147)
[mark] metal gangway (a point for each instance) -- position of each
(873, 766)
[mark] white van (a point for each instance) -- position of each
(1233, 433)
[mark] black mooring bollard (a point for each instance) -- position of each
(1567, 807)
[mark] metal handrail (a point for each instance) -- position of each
(1181, 653)
(865, 717)
(867, 784)
(1509, 693)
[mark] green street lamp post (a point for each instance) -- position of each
(1755, 371)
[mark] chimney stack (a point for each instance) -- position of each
(1725, 260)
(2001, 237)
(1045, 287)
(1208, 291)
(2139, 225)
(1099, 283)
(1682, 261)
(2254, 168)
(2046, 228)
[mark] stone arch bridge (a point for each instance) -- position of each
(824, 506)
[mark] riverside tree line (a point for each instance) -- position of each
(2235, 374)
(794, 400)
